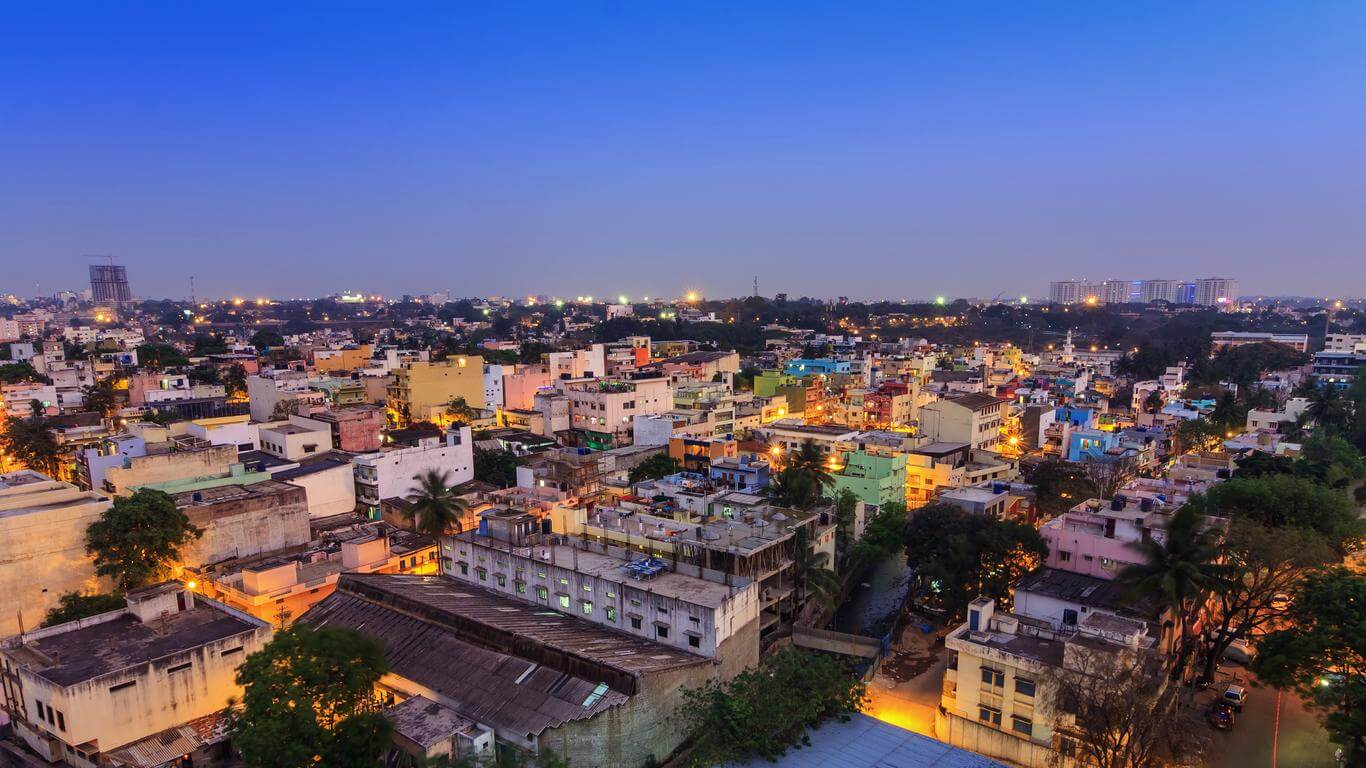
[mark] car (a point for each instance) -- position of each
(1240, 651)
(1235, 696)
(1221, 715)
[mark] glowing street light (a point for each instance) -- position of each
(940, 300)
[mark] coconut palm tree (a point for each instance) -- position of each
(1328, 407)
(811, 572)
(811, 462)
(435, 509)
(1180, 571)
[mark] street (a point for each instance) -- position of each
(1302, 742)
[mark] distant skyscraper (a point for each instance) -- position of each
(109, 285)
(1157, 290)
(1215, 291)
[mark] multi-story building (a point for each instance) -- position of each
(421, 390)
(1224, 339)
(974, 419)
(295, 438)
(241, 516)
(42, 546)
(109, 286)
(1216, 292)
(147, 685)
(347, 358)
(876, 480)
(357, 429)
(1100, 538)
(1345, 342)
(392, 472)
(1158, 290)
(602, 410)
(1337, 369)
(18, 399)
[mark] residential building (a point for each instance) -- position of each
(18, 399)
(357, 429)
(343, 360)
(876, 480)
(1336, 369)
(1158, 290)
(421, 390)
(328, 480)
(242, 516)
(391, 472)
(154, 388)
(144, 686)
(179, 459)
(974, 419)
(788, 435)
(42, 546)
(1099, 538)
(109, 286)
(601, 411)
(747, 473)
(295, 438)
(1216, 292)
(1345, 342)
(1225, 339)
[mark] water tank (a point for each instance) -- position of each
(1146, 505)
(1117, 503)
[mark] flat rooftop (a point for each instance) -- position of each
(865, 742)
(234, 492)
(86, 653)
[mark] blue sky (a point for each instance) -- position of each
(863, 149)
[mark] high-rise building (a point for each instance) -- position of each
(109, 285)
(1215, 291)
(1065, 292)
(1116, 292)
(1157, 290)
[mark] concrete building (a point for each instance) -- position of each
(328, 480)
(241, 516)
(356, 429)
(1216, 292)
(974, 419)
(348, 358)
(1158, 290)
(42, 546)
(145, 686)
(269, 395)
(295, 438)
(1338, 369)
(1345, 342)
(390, 472)
(876, 479)
(180, 459)
(154, 388)
(421, 390)
(602, 410)
(109, 286)
(1225, 339)
(1100, 538)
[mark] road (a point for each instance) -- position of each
(1302, 742)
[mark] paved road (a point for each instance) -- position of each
(1302, 743)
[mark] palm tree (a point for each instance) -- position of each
(811, 462)
(1179, 572)
(434, 508)
(811, 573)
(1328, 407)
(30, 442)
(793, 488)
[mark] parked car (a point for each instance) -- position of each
(1235, 696)
(1240, 651)
(1221, 715)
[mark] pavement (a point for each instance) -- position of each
(1261, 739)
(906, 689)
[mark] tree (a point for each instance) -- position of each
(1153, 402)
(1264, 564)
(101, 397)
(308, 699)
(1116, 707)
(1322, 654)
(1059, 486)
(808, 460)
(18, 373)
(495, 467)
(1328, 408)
(138, 539)
(846, 505)
(267, 338)
(1197, 435)
(1180, 571)
(811, 571)
(1284, 500)
(791, 487)
(30, 441)
(435, 508)
(160, 356)
(955, 556)
(657, 466)
(1108, 475)
(235, 381)
(766, 709)
(73, 605)
(884, 535)
(1228, 413)
(459, 412)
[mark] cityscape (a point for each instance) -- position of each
(639, 386)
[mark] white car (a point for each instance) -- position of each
(1236, 695)
(1240, 651)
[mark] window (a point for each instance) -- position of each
(587, 607)
(993, 677)
(1067, 747)
(1024, 686)
(661, 632)
(542, 592)
(587, 587)
(464, 569)
(521, 587)
(38, 706)
(635, 622)
(989, 715)
(61, 720)
(178, 668)
(1064, 556)
(483, 574)
(1022, 725)
(564, 601)
(694, 641)
(230, 651)
(122, 686)
(501, 579)
(51, 718)
(611, 613)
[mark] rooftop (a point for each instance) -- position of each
(864, 742)
(233, 492)
(427, 723)
(977, 401)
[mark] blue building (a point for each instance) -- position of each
(815, 366)
(1084, 444)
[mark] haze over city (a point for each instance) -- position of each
(885, 150)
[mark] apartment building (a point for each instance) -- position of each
(159, 685)
(602, 411)
(1345, 342)
(357, 429)
(1100, 538)
(342, 360)
(295, 438)
(391, 472)
(876, 480)
(1227, 339)
(421, 390)
(974, 419)
(179, 459)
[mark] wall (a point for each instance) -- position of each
(42, 555)
(248, 526)
(168, 467)
(330, 491)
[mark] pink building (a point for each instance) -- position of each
(519, 389)
(1097, 538)
(354, 429)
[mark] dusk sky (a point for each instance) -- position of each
(864, 149)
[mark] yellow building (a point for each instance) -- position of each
(341, 360)
(421, 390)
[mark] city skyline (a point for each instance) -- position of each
(896, 151)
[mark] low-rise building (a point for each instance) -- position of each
(875, 479)
(391, 472)
(974, 419)
(142, 686)
(241, 516)
(357, 429)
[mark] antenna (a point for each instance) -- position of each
(192, 295)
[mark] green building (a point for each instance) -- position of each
(874, 479)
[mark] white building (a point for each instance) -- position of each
(1216, 292)
(390, 473)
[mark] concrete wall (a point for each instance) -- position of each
(330, 491)
(168, 467)
(248, 526)
(42, 555)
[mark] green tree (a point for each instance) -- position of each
(808, 460)
(765, 710)
(102, 397)
(160, 356)
(435, 508)
(846, 505)
(235, 381)
(496, 467)
(19, 373)
(73, 605)
(1179, 571)
(884, 535)
(1284, 500)
(31, 442)
(657, 466)
(1329, 408)
(955, 556)
(793, 488)
(267, 338)
(1321, 653)
(1059, 486)
(459, 412)
(1197, 435)
(1153, 402)
(138, 539)
(309, 700)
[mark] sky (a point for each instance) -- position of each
(904, 149)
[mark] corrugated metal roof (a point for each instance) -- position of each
(864, 742)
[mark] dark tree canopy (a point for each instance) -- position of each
(955, 556)
(137, 541)
(73, 606)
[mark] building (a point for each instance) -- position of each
(788, 435)
(328, 480)
(1337, 369)
(1216, 292)
(42, 546)
(109, 286)
(392, 471)
(348, 358)
(862, 741)
(295, 438)
(974, 419)
(602, 410)
(421, 390)
(180, 459)
(1345, 342)
(145, 686)
(876, 479)
(1099, 538)
(540, 678)
(1225, 339)
(356, 429)
(1158, 290)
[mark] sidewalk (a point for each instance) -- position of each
(906, 689)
